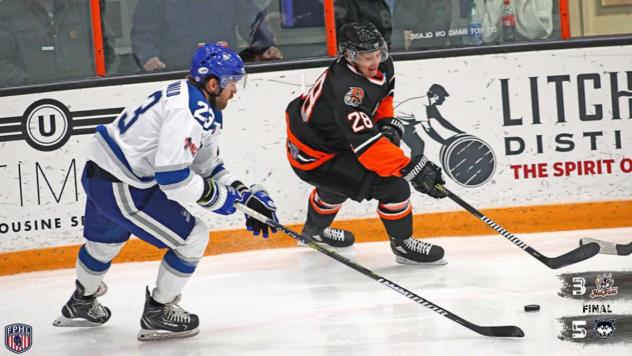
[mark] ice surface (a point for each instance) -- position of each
(297, 301)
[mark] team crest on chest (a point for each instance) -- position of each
(354, 96)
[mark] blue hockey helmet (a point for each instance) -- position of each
(215, 60)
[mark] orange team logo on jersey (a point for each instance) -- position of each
(354, 96)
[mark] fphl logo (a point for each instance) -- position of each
(605, 286)
(18, 338)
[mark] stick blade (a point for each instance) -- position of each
(625, 250)
(500, 331)
(579, 254)
(608, 248)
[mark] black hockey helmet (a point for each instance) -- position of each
(358, 37)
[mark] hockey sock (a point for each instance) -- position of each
(321, 213)
(179, 264)
(173, 274)
(93, 262)
(397, 218)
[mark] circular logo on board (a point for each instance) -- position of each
(468, 160)
(47, 124)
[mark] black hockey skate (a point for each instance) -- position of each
(166, 321)
(411, 251)
(83, 310)
(329, 236)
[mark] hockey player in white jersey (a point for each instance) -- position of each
(142, 170)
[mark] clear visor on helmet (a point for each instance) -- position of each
(368, 57)
(238, 79)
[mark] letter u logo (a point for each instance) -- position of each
(45, 129)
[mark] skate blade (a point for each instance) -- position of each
(405, 261)
(154, 335)
(64, 322)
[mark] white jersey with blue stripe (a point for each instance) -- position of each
(170, 140)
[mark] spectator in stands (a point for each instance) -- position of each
(46, 40)
(376, 12)
(254, 54)
(262, 38)
(534, 19)
(416, 23)
(165, 32)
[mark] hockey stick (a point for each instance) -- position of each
(577, 255)
(608, 248)
(499, 331)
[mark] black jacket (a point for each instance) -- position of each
(35, 48)
(171, 29)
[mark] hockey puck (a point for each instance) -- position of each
(532, 308)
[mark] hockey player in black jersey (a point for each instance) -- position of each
(344, 140)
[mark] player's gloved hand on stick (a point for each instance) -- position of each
(219, 198)
(257, 199)
(392, 129)
(425, 177)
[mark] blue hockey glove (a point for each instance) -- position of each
(257, 199)
(219, 198)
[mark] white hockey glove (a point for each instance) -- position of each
(219, 198)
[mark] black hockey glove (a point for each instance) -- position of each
(392, 129)
(425, 177)
(257, 199)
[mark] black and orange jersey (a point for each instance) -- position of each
(341, 113)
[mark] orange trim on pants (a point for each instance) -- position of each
(321, 157)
